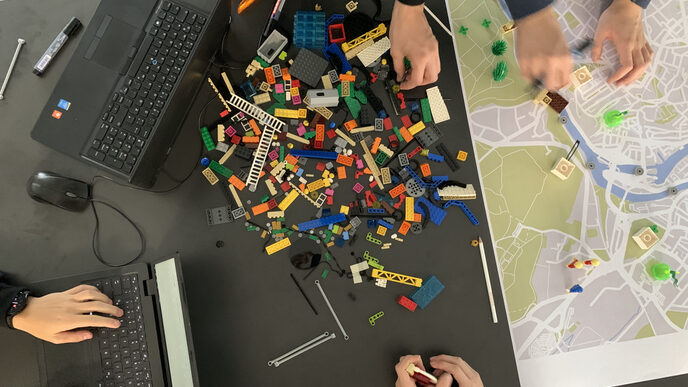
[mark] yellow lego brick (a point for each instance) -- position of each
(330, 244)
(294, 91)
(400, 278)
(208, 173)
(302, 113)
(409, 209)
(286, 113)
(277, 246)
(417, 127)
(316, 185)
(336, 229)
(344, 210)
(227, 154)
(286, 202)
(326, 82)
(381, 230)
(462, 156)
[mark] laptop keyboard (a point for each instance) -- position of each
(135, 107)
(124, 351)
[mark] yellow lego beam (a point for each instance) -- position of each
(372, 34)
(400, 278)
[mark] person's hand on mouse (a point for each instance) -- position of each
(448, 368)
(622, 25)
(542, 51)
(410, 36)
(61, 317)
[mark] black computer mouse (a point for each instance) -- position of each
(60, 191)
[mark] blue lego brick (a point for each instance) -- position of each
(465, 210)
(248, 90)
(428, 291)
(326, 212)
(436, 214)
(309, 29)
(371, 223)
(385, 224)
(420, 181)
(436, 158)
(314, 154)
(414, 107)
(305, 226)
(345, 235)
(334, 51)
(440, 179)
(299, 172)
(376, 210)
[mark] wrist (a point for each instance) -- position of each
(536, 18)
(19, 320)
(407, 9)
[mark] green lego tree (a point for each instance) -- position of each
(499, 47)
(499, 72)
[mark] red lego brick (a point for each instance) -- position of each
(285, 186)
(330, 200)
(373, 77)
(407, 303)
(336, 32)
(415, 151)
(406, 121)
(388, 123)
(295, 83)
(272, 203)
(331, 134)
(224, 113)
(236, 139)
(320, 166)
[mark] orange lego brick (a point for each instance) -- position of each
(425, 169)
(398, 190)
(347, 77)
(405, 226)
(236, 182)
(250, 139)
(341, 172)
(254, 126)
(289, 159)
(406, 134)
(376, 144)
(350, 125)
(260, 208)
(346, 160)
(269, 76)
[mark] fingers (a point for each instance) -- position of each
(71, 337)
(398, 60)
(597, 44)
(641, 61)
(92, 321)
(80, 288)
(451, 368)
(431, 72)
(92, 295)
(100, 307)
(444, 379)
(626, 58)
(415, 75)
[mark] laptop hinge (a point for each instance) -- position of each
(150, 287)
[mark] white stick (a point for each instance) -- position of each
(300, 347)
(305, 349)
(487, 280)
(437, 20)
(20, 43)
(327, 301)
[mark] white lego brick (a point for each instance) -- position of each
(563, 169)
(372, 53)
(323, 97)
(645, 238)
(381, 282)
(437, 105)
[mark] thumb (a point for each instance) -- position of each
(596, 51)
(73, 336)
(444, 380)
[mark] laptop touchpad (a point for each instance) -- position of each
(114, 44)
(69, 364)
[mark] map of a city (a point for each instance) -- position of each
(540, 223)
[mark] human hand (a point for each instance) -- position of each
(542, 51)
(457, 368)
(410, 36)
(60, 317)
(403, 378)
(622, 24)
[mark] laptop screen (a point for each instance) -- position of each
(171, 307)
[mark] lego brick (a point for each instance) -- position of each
(358, 187)
(261, 98)
(207, 139)
(371, 239)
(286, 113)
(580, 77)
(286, 202)
(308, 67)
(381, 282)
(437, 105)
(305, 226)
(309, 30)
(377, 315)
(381, 230)
(314, 154)
(409, 209)
(272, 46)
(218, 215)
(326, 82)
(239, 213)
(405, 226)
(425, 169)
(461, 156)
(407, 303)
(428, 136)
(431, 288)
(395, 277)
(210, 176)
(260, 208)
(277, 246)
(336, 33)
(563, 169)
(645, 238)
(385, 175)
(435, 158)
(454, 192)
(425, 108)
(323, 97)
(374, 52)
(237, 183)
(436, 214)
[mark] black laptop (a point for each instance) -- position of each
(127, 89)
(153, 345)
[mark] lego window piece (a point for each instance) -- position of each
(309, 30)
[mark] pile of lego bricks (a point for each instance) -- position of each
(313, 126)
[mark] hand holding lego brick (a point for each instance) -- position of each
(457, 368)
(403, 377)
(622, 25)
(542, 51)
(411, 37)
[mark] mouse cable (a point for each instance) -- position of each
(96, 235)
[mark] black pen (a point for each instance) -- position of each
(56, 45)
(274, 17)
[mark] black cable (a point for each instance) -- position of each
(96, 233)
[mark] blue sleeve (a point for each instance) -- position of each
(642, 3)
(522, 8)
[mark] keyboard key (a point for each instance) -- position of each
(95, 154)
(175, 9)
(166, 5)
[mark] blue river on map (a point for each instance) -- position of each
(663, 169)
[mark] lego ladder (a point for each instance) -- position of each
(254, 111)
(259, 158)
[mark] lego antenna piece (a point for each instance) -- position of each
(488, 283)
(301, 349)
(327, 301)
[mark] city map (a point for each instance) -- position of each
(541, 223)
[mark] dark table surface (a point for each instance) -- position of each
(244, 308)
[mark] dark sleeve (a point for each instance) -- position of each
(642, 3)
(414, 2)
(522, 8)
(7, 294)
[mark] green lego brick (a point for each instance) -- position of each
(262, 62)
(288, 166)
(309, 135)
(281, 98)
(281, 156)
(399, 136)
(313, 237)
(265, 198)
(249, 133)
(328, 256)
(360, 96)
(221, 169)
(328, 235)
(324, 273)
(207, 139)
(381, 158)
(251, 227)
(353, 105)
(282, 55)
(425, 107)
